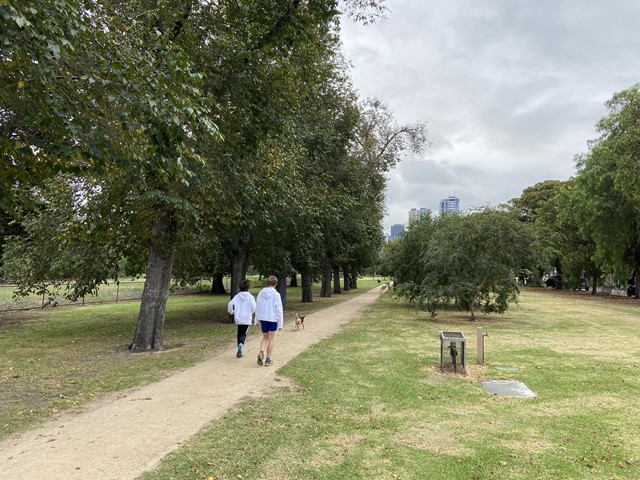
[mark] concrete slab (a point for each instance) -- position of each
(508, 388)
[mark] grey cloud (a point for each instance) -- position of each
(511, 89)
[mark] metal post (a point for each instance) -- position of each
(480, 340)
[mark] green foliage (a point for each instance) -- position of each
(78, 96)
(64, 242)
(537, 204)
(604, 198)
(38, 45)
(119, 98)
(546, 206)
(592, 222)
(470, 260)
(578, 248)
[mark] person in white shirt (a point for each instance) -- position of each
(242, 306)
(270, 315)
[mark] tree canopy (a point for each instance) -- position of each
(470, 260)
(168, 136)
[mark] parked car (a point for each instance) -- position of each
(584, 284)
(554, 282)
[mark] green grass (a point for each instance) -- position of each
(128, 288)
(371, 402)
(61, 358)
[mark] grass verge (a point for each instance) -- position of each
(371, 402)
(127, 289)
(57, 359)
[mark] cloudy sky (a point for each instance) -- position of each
(510, 90)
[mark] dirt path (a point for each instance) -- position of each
(126, 435)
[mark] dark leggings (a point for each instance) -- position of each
(242, 333)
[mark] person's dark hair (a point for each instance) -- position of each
(244, 285)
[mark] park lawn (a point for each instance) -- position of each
(371, 403)
(125, 289)
(56, 359)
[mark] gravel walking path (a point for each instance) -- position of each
(129, 433)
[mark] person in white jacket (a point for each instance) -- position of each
(270, 315)
(242, 306)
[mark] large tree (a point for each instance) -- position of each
(538, 206)
(604, 198)
(471, 260)
(111, 95)
(577, 247)
(273, 57)
(379, 143)
(118, 106)
(604, 213)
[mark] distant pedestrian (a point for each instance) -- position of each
(243, 307)
(270, 315)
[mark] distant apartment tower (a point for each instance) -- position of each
(417, 214)
(396, 230)
(450, 205)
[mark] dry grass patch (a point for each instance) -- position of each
(587, 404)
(438, 438)
(534, 444)
(333, 450)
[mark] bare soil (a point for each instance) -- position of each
(126, 434)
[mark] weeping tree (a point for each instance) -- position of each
(471, 261)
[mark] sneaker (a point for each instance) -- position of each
(268, 362)
(260, 358)
(239, 354)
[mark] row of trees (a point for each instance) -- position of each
(588, 226)
(593, 219)
(187, 138)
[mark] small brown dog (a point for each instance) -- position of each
(299, 321)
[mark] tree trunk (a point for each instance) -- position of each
(336, 280)
(294, 280)
(594, 284)
(217, 284)
(347, 281)
(354, 281)
(281, 287)
(325, 289)
(239, 267)
(307, 295)
(150, 327)
(240, 261)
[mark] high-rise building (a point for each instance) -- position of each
(417, 213)
(396, 230)
(450, 205)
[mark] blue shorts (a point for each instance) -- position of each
(268, 326)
